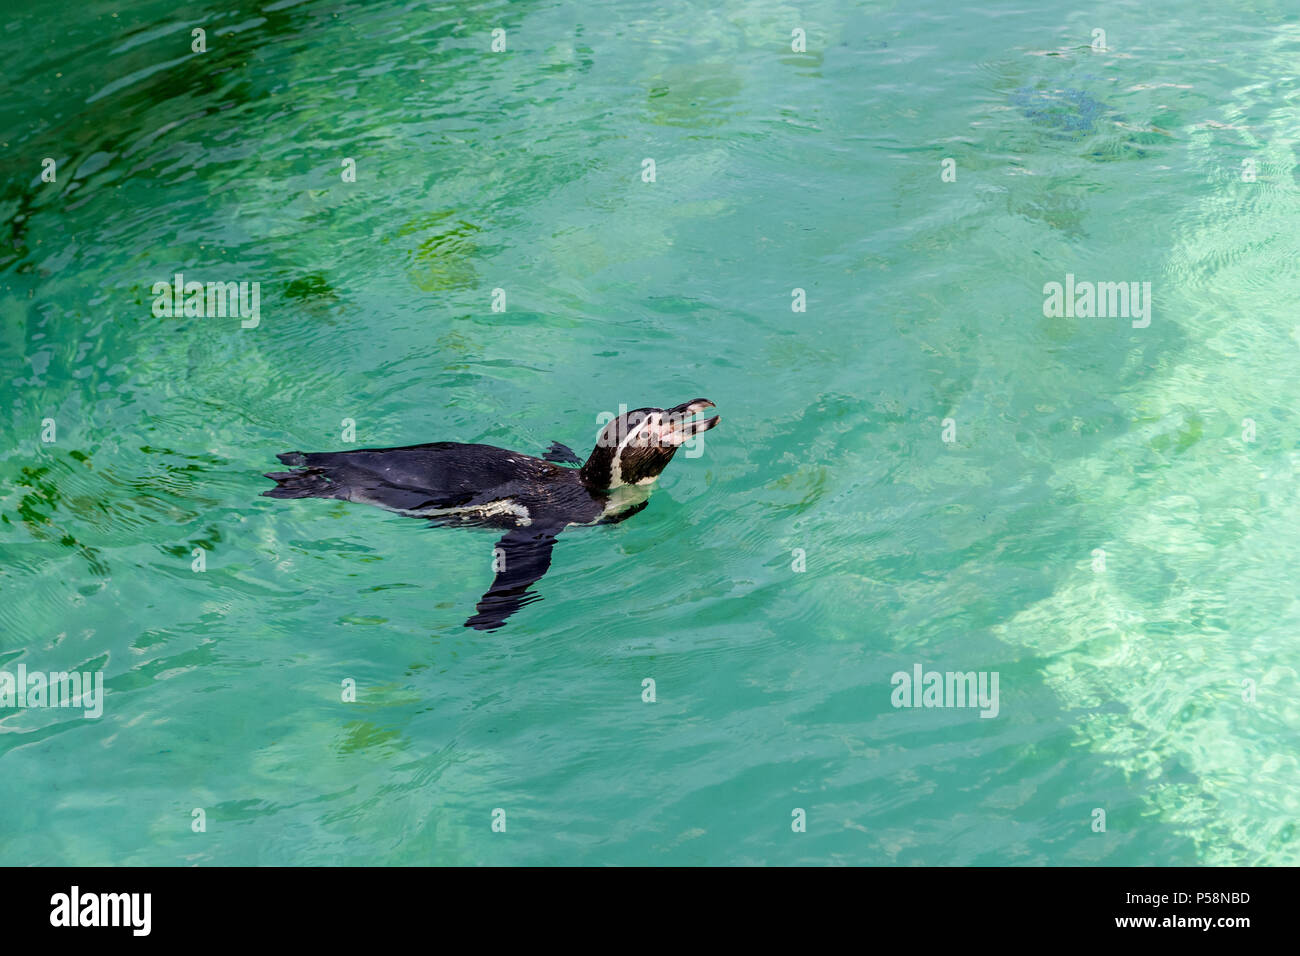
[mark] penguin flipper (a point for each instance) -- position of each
(523, 556)
(561, 455)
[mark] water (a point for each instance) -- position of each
(1120, 689)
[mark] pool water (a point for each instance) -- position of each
(920, 468)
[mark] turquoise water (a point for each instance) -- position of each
(1121, 677)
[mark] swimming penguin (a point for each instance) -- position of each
(531, 499)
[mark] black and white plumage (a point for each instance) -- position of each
(531, 499)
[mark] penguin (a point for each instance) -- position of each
(531, 499)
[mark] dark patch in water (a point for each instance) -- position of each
(313, 286)
(1069, 110)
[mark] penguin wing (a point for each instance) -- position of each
(522, 557)
(562, 454)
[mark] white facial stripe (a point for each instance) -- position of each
(616, 474)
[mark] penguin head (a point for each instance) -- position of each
(635, 447)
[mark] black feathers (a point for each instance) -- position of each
(562, 454)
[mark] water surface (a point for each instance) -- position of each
(1120, 689)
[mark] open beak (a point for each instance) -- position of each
(682, 425)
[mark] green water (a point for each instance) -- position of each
(1121, 688)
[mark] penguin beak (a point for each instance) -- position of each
(679, 429)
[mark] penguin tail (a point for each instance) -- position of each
(307, 483)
